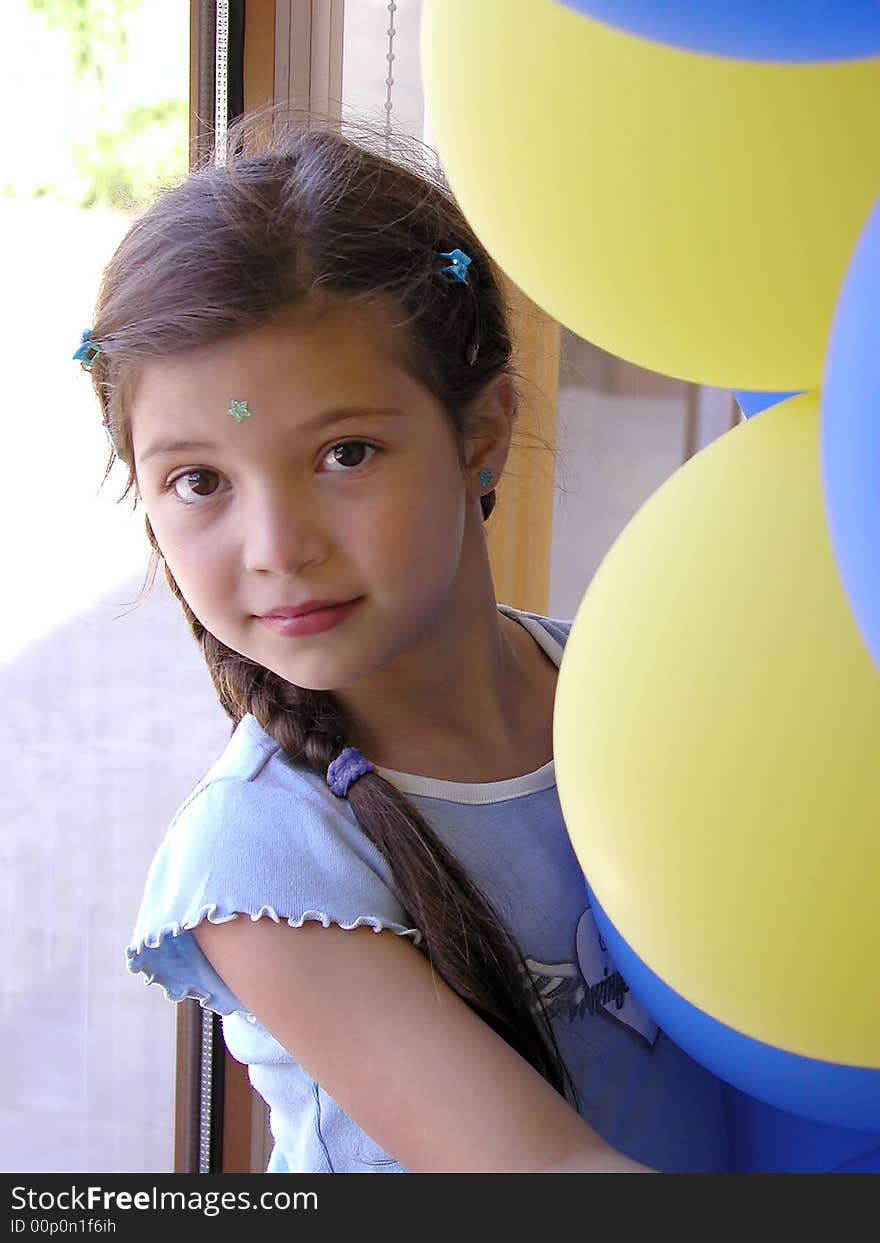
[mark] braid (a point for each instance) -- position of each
(462, 935)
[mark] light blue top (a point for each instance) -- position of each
(262, 836)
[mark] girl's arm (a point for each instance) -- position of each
(364, 1014)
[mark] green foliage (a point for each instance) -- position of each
(123, 167)
(95, 29)
(122, 137)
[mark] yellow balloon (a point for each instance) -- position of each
(692, 214)
(717, 745)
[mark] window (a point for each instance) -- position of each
(108, 716)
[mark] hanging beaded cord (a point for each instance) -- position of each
(389, 81)
(221, 75)
(459, 262)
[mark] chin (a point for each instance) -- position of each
(308, 679)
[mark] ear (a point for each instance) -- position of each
(487, 442)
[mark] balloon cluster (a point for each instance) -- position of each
(695, 188)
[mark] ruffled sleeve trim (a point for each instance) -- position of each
(154, 955)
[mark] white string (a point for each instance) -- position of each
(221, 75)
(389, 81)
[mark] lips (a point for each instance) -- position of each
(311, 606)
(312, 618)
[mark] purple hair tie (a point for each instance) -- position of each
(345, 769)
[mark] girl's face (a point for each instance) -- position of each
(339, 482)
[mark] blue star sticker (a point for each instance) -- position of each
(459, 263)
(239, 411)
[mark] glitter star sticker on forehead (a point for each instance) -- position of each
(239, 411)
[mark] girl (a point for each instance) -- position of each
(302, 358)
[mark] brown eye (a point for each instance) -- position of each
(196, 483)
(350, 453)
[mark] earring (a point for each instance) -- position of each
(484, 477)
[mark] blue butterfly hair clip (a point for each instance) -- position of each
(458, 265)
(456, 273)
(87, 352)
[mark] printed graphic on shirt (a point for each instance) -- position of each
(592, 985)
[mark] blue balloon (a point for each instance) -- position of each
(752, 403)
(803, 31)
(867, 1163)
(826, 1092)
(770, 1141)
(849, 430)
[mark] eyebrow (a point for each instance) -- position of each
(344, 415)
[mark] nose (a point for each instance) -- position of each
(283, 531)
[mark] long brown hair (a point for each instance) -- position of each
(309, 221)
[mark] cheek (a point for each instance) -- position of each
(199, 565)
(424, 541)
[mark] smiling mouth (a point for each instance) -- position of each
(303, 610)
(314, 621)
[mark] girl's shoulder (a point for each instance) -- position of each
(252, 783)
(244, 793)
(258, 836)
(248, 752)
(556, 628)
